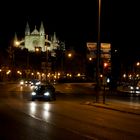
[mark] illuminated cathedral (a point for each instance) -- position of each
(39, 39)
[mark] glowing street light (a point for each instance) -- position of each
(37, 49)
(90, 58)
(69, 55)
(105, 65)
(17, 43)
(138, 63)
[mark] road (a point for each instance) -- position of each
(66, 118)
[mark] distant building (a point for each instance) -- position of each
(39, 39)
(35, 38)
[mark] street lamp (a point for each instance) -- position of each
(69, 64)
(106, 80)
(138, 63)
(69, 55)
(90, 58)
(105, 65)
(12, 47)
(98, 54)
(36, 49)
(16, 43)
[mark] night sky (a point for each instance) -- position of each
(74, 22)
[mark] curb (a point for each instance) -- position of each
(124, 110)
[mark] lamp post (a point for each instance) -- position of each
(70, 68)
(47, 64)
(12, 50)
(69, 55)
(105, 80)
(16, 43)
(136, 75)
(98, 54)
(62, 63)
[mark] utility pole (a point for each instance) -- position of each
(47, 62)
(98, 55)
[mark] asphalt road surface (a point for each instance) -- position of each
(67, 118)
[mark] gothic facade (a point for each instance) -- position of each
(39, 39)
(35, 38)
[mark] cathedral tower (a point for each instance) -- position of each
(35, 38)
(42, 36)
(27, 29)
(42, 30)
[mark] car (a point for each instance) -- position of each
(27, 82)
(44, 91)
(24, 82)
(21, 82)
(131, 89)
(35, 82)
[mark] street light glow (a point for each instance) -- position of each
(69, 55)
(138, 63)
(37, 49)
(105, 65)
(90, 59)
(17, 43)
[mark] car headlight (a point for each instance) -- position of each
(46, 93)
(37, 83)
(131, 88)
(21, 83)
(33, 93)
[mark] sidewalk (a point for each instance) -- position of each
(8, 82)
(125, 107)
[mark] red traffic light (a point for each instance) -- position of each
(105, 65)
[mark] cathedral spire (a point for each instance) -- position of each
(27, 29)
(35, 27)
(15, 41)
(15, 37)
(42, 30)
(54, 37)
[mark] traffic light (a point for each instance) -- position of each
(105, 65)
(105, 68)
